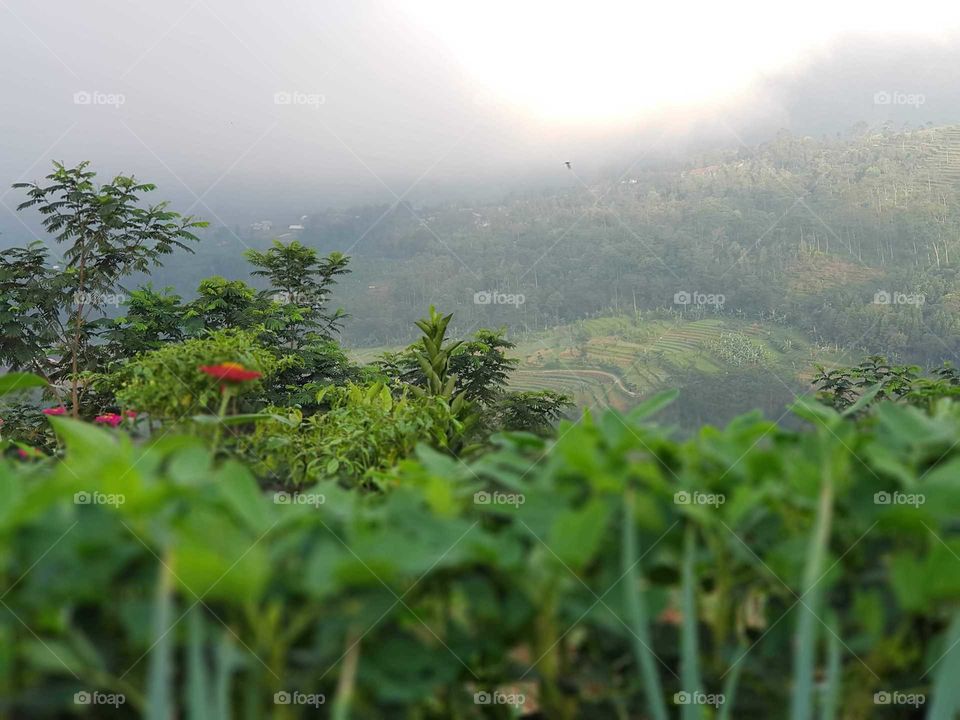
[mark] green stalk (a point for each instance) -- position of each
(730, 688)
(689, 667)
(831, 694)
(221, 413)
(160, 703)
(805, 641)
(546, 647)
(348, 678)
(637, 614)
(198, 681)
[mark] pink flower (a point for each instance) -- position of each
(111, 419)
(54, 411)
(29, 453)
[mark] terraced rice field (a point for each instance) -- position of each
(614, 362)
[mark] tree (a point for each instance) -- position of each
(109, 236)
(32, 296)
(223, 303)
(481, 365)
(152, 319)
(301, 282)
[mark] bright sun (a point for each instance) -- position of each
(608, 60)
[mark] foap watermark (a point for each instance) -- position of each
(886, 697)
(285, 498)
(898, 498)
(483, 497)
(884, 97)
(699, 698)
(296, 97)
(885, 297)
(95, 97)
(299, 698)
(683, 297)
(498, 697)
(86, 299)
(98, 498)
(684, 497)
(296, 298)
(86, 697)
(495, 297)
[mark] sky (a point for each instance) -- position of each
(242, 110)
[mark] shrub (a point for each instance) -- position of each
(166, 384)
(600, 575)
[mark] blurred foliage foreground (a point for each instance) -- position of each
(612, 572)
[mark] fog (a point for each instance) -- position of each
(241, 110)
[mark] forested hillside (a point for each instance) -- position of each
(798, 231)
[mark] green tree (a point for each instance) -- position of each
(301, 282)
(108, 236)
(32, 296)
(152, 319)
(223, 303)
(481, 365)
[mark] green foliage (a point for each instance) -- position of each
(32, 298)
(303, 372)
(301, 282)
(536, 412)
(363, 435)
(576, 575)
(152, 319)
(167, 384)
(482, 367)
(843, 387)
(223, 303)
(108, 236)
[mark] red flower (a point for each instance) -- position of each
(130, 414)
(29, 454)
(54, 411)
(230, 372)
(111, 419)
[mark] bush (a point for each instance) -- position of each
(365, 432)
(600, 575)
(167, 384)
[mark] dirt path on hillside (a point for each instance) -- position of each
(602, 373)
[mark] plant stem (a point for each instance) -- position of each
(348, 677)
(689, 665)
(637, 613)
(806, 635)
(221, 413)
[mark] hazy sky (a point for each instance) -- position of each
(242, 109)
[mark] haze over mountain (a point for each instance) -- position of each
(375, 97)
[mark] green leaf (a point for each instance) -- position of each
(576, 534)
(863, 400)
(653, 405)
(242, 419)
(815, 412)
(16, 381)
(244, 496)
(946, 689)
